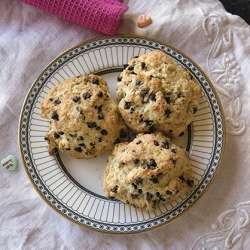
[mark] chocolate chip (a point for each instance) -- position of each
(123, 133)
(190, 183)
(182, 178)
(139, 181)
(101, 116)
(56, 102)
(148, 122)
(95, 81)
(99, 139)
(80, 138)
(154, 179)
(51, 99)
(134, 185)
(153, 163)
(158, 194)
(76, 98)
(138, 142)
(127, 105)
(100, 94)
(136, 161)
(179, 94)
(114, 189)
(195, 110)
(165, 144)
(152, 97)
(99, 108)
(167, 112)
(169, 192)
(55, 117)
(67, 149)
(138, 82)
(191, 76)
(125, 66)
(131, 68)
(173, 150)
(86, 95)
(143, 64)
(97, 128)
(149, 196)
(79, 149)
(181, 134)
(104, 132)
(156, 143)
(46, 138)
(54, 151)
(91, 124)
(92, 144)
(168, 100)
(60, 132)
(140, 191)
(134, 196)
(117, 141)
(56, 135)
(173, 161)
(144, 92)
(119, 78)
(82, 145)
(144, 166)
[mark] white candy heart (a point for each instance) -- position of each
(9, 163)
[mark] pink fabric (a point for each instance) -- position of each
(99, 15)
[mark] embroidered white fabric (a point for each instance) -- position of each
(216, 40)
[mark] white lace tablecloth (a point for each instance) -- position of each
(216, 40)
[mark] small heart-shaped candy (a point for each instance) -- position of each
(143, 20)
(9, 163)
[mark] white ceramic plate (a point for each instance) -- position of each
(73, 187)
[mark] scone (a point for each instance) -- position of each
(155, 94)
(84, 119)
(147, 171)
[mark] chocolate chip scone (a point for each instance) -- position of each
(147, 171)
(81, 112)
(154, 93)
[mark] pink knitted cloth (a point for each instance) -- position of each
(99, 15)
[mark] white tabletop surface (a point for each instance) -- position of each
(216, 40)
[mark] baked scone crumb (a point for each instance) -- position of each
(155, 94)
(81, 111)
(148, 171)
